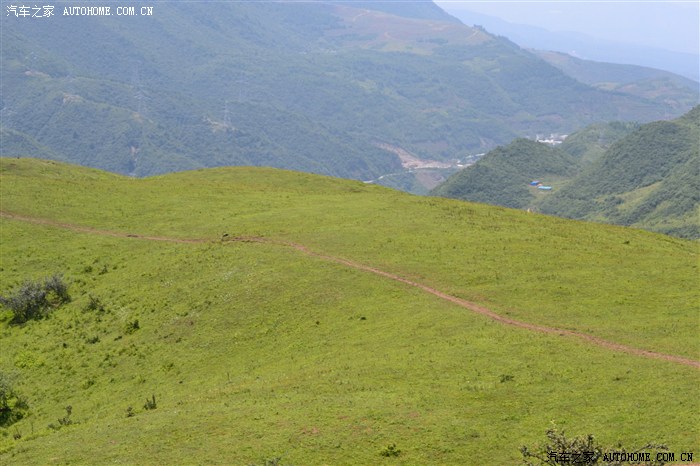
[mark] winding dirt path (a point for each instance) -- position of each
(356, 265)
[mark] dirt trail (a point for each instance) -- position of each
(356, 265)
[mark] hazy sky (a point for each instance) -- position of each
(663, 24)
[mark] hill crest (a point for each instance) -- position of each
(249, 340)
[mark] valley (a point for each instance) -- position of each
(346, 77)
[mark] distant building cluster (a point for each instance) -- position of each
(553, 139)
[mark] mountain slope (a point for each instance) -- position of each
(643, 176)
(503, 176)
(258, 351)
(591, 142)
(648, 179)
(309, 86)
(649, 83)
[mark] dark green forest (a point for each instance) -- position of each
(647, 179)
(644, 176)
(502, 177)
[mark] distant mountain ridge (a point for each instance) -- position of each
(307, 86)
(585, 47)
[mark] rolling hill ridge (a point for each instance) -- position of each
(274, 315)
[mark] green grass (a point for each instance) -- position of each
(256, 351)
(537, 268)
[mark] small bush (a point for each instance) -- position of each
(89, 382)
(275, 461)
(94, 304)
(560, 450)
(150, 404)
(33, 300)
(66, 420)
(55, 286)
(93, 340)
(132, 326)
(390, 451)
(12, 406)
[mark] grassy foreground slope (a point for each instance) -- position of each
(257, 350)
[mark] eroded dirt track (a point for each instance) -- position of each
(356, 265)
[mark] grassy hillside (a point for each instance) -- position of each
(648, 179)
(503, 176)
(309, 86)
(259, 350)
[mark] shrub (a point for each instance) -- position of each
(12, 405)
(93, 340)
(94, 304)
(390, 451)
(150, 404)
(560, 450)
(131, 327)
(64, 421)
(274, 461)
(33, 300)
(54, 285)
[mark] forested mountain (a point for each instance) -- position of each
(591, 142)
(644, 176)
(648, 179)
(315, 86)
(503, 176)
